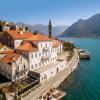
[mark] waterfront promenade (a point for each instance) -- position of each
(56, 80)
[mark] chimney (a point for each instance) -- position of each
(35, 32)
(21, 32)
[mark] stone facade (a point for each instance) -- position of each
(13, 69)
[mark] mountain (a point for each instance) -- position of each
(84, 28)
(56, 31)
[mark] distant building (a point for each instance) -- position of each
(6, 26)
(11, 26)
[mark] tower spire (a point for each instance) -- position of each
(50, 29)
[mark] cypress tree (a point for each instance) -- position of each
(50, 29)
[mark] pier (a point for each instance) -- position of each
(83, 54)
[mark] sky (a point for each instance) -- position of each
(61, 12)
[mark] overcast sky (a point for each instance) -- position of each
(61, 12)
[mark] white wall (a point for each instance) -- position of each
(17, 43)
(37, 59)
(52, 71)
(20, 65)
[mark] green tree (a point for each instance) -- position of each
(50, 29)
(68, 46)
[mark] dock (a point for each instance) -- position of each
(83, 54)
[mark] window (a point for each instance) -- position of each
(42, 63)
(40, 54)
(46, 44)
(51, 72)
(42, 78)
(21, 60)
(32, 67)
(41, 45)
(39, 64)
(35, 65)
(36, 55)
(9, 75)
(24, 66)
(32, 56)
(17, 70)
(46, 61)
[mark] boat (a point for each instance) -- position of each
(52, 94)
(83, 54)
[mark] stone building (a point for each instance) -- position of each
(13, 66)
(36, 55)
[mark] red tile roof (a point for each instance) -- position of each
(17, 34)
(1, 45)
(39, 37)
(9, 50)
(27, 47)
(55, 43)
(11, 57)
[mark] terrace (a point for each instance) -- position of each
(22, 86)
(46, 67)
(27, 84)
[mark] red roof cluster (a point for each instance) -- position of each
(55, 42)
(19, 35)
(39, 37)
(28, 46)
(8, 50)
(11, 57)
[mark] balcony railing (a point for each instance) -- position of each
(21, 73)
(45, 49)
(45, 57)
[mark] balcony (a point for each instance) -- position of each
(45, 49)
(21, 73)
(45, 57)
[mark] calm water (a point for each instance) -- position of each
(84, 83)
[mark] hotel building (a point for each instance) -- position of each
(34, 54)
